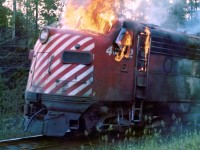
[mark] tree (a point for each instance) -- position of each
(176, 15)
(14, 18)
(4, 17)
(50, 11)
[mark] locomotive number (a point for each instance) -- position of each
(109, 51)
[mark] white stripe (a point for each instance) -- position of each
(43, 74)
(81, 76)
(38, 56)
(88, 93)
(80, 88)
(52, 47)
(43, 56)
(66, 76)
(38, 81)
(59, 50)
(36, 49)
(50, 39)
(44, 45)
(89, 48)
(66, 44)
(83, 42)
(56, 73)
(37, 70)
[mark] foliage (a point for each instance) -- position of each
(4, 14)
(11, 94)
(50, 11)
(11, 126)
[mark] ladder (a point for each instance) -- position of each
(141, 79)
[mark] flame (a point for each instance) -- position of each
(98, 16)
(147, 41)
(125, 47)
(95, 15)
(147, 44)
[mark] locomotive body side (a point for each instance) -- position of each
(174, 70)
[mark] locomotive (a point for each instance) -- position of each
(81, 81)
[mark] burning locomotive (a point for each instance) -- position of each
(82, 81)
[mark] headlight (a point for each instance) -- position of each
(44, 35)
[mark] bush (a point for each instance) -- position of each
(11, 95)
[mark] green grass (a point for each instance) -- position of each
(11, 126)
(178, 139)
(183, 141)
(11, 107)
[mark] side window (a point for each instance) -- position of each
(123, 43)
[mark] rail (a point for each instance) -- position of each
(70, 142)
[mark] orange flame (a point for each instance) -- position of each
(147, 41)
(125, 48)
(92, 15)
(147, 45)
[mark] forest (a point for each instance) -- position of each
(22, 20)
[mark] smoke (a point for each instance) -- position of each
(192, 26)
(150, 11)
(171, 14)
(154, 12)
(165, 13)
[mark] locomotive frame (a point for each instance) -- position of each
(81, 81)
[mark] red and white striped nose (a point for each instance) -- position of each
(50, 75)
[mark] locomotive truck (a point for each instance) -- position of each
(81, 81)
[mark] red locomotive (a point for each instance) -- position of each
(83, 81)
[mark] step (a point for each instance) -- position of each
(141, 81)
(142, 59)
(140, 94)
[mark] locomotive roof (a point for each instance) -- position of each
(169, 36)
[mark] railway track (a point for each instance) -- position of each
(71, 142)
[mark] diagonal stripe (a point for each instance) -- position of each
(85, 40)
(78, 79)
(57, 62)
(74, 92)
(49, 49)
(66, 44)
(57, 52)
(88, 93)
(70, 73)
(89, 48)
(42, 46)
(58, 71)
(81, 76)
